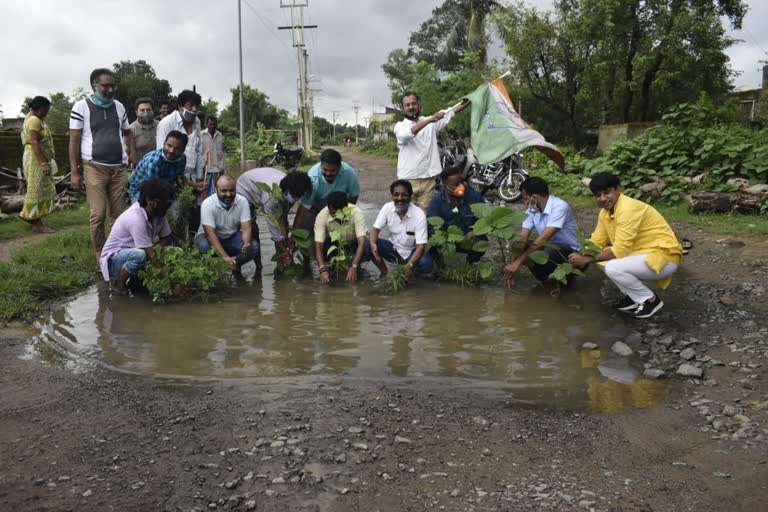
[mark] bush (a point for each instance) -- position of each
(178, 273)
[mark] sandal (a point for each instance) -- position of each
(687, 245)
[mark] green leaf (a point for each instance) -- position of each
(486, 270)
(481, 210)
(436, 222)
(539, 257)
(481, 227)
(481, 246)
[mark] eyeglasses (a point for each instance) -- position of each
(106, 86)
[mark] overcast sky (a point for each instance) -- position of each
(52, 45)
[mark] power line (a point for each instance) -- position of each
(269, 28)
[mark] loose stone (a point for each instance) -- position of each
(622, 349)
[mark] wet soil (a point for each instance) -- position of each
(76, 436)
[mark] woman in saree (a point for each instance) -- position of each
(38, 163)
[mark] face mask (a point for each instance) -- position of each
(189, 116)
(101, 101)
(460, 190)
(223, 204)
(160, 209)
(532, 208)
(146, 117)
(289, 199)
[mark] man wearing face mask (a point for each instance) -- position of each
(185, 120)
(144, 128)
(166, 164)
(453, 204)
(130, 242)
(99, 133)
(419, 158)
(408, 237)
(554, 223)
(293, 186)
(330, 175)
(225, 225)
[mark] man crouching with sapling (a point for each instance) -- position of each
(643, 247)
(132, 237)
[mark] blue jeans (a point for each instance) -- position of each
(233, 246)
(132, 259)
(388, 252)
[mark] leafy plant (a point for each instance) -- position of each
(338, 252)
(186, 202)
(396, 279)
(501, 223)
(446, 240)
(178, 273)
(301, 249)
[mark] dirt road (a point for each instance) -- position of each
(74, 436)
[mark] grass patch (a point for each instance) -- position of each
(569, 188)
(384, 149)
(59, 265)
(59, 219)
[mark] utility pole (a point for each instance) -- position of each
(297, 36)
(365, 120)
(242, 114)
(334, 123)
(356, 106)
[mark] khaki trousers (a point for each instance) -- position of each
(424, 190)
(104, 186)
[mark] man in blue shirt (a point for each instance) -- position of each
(166, 164)
(453, 204)
(330, 175)
(554, 223)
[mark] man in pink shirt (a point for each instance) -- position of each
(132, 237)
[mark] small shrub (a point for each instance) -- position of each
(178, 273)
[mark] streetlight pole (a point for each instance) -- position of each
(242, 107)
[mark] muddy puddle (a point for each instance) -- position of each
(525, 344)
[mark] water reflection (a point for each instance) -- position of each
(525, 343)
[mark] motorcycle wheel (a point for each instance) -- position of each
(268, 161)
(509, 188)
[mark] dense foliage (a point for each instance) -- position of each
(696, 139)
(175, 272)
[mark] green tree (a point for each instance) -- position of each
(592, 61)
(210, 107)
(138, 80)
(257, 110)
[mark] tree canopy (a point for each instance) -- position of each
(138, 80)
(257, 110)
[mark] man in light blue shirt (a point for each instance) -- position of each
(554, 223)
(330, 175)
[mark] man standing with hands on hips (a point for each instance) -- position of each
(419, 157)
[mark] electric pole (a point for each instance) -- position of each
(356, 106)
(297, 36)
(335, 112)
(365, 120)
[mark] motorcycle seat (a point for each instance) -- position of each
(295, 151)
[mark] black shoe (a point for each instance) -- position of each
(647, 309)
(625, 304)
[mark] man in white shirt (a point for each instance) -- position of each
(185, 120)
(419, 157)
(213, 147)
(408, 236)
(225, 225)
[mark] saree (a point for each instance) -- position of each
(41, 190)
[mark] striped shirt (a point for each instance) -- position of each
(102, 140)
(155, 165)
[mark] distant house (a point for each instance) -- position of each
(15, 124)
(383, 123)
(748, 99)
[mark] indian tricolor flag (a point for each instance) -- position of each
(498, 130)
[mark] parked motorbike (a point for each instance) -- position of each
(504, 176)
(287, 157)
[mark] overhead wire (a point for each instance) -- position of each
(269, 28)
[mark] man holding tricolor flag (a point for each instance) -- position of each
(419, 158)
(498, 131)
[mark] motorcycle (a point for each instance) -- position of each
(287, 157)
(504, 176)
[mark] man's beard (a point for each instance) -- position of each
(413, 117)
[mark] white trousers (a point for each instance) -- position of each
(629, 273)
